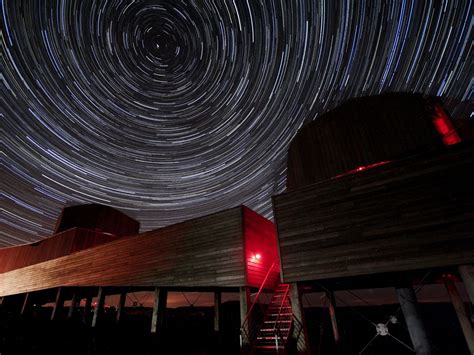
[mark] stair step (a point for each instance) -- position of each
(281, 314)
(280, 321)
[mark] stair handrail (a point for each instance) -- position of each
(296, 337)
(281, 306)
(257, 296)
(276, 328)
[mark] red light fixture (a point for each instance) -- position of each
(445, 127)
(256, 257)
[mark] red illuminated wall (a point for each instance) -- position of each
(57, 245)
(260, 248)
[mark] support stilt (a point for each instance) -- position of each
(159, 308)
(217, 306)
(99, 307)
(26, 303)
(460, 311)
(73, 306)
(58, 304)
(416, 328)
(244, 308)
(299, 335)
(332, 313)
(121, 306)
(467, 275)
(87, 309)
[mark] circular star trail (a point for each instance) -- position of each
(173, 109)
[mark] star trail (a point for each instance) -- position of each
(169, 110)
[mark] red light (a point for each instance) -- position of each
(255, 258)
(444, 127)
(258, 256)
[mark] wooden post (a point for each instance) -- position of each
(121, 306)
(460, 311)
(332, 313)
(99, 307)
(159, 308)
(467, 276)
(299, 335)
(73, 306)
(245, 302)
(416, 328)
(58, 304)
(1, 300)
(217, 306)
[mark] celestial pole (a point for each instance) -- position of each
(168, 110)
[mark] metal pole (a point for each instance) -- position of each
(99, 306)
(121, 306)
(58, 305)
(26, 303)
(332, 313)
(217, 306)
(72, 307)
(159, 308)
(416, 328)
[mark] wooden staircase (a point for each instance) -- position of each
(273, 334)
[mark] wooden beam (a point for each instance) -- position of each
(244, 293)
(121, 306)
(58, 304)
(467, 275)
(159, 308)
(99, 307)
(217, 307)
(332, 313)
(460, 311)
(73, 306)
(416, 327)
(299, 328)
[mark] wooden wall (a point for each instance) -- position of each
(410, 214)
(260, 239)
(203, 252)
(97, 217)
(57, 245)
(362, 132)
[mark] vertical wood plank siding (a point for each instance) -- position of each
(410, 214)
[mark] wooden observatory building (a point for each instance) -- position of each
(379, 191)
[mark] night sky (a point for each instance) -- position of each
(170, 110)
